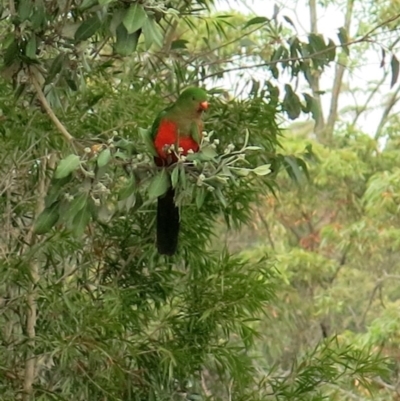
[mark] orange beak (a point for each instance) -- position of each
(204, 105)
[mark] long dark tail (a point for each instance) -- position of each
(167, 224)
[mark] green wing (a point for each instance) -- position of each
(149, 135)
(195, 132)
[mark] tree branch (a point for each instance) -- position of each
(49, 111)
(386, 111)
(315, 77)
(338, 79)
(31, 312)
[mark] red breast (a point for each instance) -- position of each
(167, 136)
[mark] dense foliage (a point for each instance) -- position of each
(287, 309)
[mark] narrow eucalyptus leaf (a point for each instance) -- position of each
(80, 221)
(46, 220)
(88, 28)
(256, 20)
(200, 197)
(394, 66)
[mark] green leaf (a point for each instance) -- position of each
(317, 42)
(38, 18)
(179, 44)
(159, 184)
(11, 54)
(207, 153)
(67, 166)
(31, 47)
(71, 83)
(105, 2)
(88, 28)
(47, 219)
(311, 106)
(80, 221)
(256, 20)
(394, 65)
(219, 195)
(135, 18)
(127, 190)
(56, 67)
(152, 33)
(291, 103)
(130, 201)
(77, 204)
(242, 172)
(104, 158)
(344, 39)
(86, 4)
(200, 197)
(126, 43)
(175, 176)
(331, 50)
(24, 9)
(289, 20)
(262, 170)
(293, 169)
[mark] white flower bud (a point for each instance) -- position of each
(190, 151)
(96, 201)
(216, 141)
(180, 149)
(202, 177)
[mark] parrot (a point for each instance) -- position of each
(180, 125)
